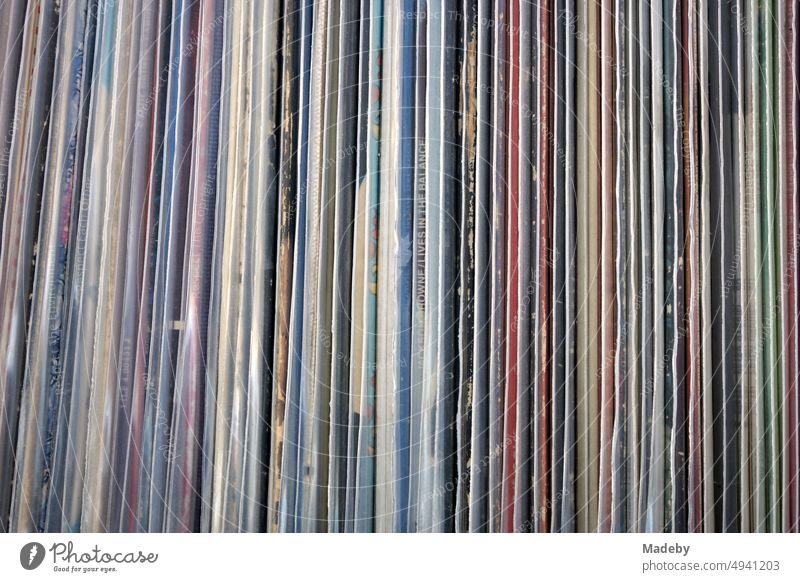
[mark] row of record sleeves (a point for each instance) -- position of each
(399, 265)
